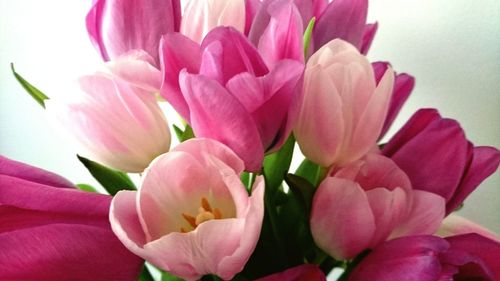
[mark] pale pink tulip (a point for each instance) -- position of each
(117, 27)
(51, 231)
(343, 109)
(362, 204)
(200, 17)
(113, 122)
(192, 215)
(456, 225)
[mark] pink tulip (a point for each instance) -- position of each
(435, 154)
(200, 17)
(116, 27)
(343, 110)
(429, 258)
(113, 122)
(456, 225)
(226, 92)
(362, 204)
(403, 85)
(51, 231)
(304, 272)
(192, 215)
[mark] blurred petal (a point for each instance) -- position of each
(309, 272)
(368, 36)
(457, 225)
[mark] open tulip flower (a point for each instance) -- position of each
(192, 215)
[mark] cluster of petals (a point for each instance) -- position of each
(51, 231)
(192, 215)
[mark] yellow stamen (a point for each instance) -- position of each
(190, 219)
(205, 213)
(205, 204)
(217, 214)
(203, 217)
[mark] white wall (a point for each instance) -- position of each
(452, 47)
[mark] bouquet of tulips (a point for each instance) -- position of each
(249, 79)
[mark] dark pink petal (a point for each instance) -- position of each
(485, 250)
(436, 157)
(216, 114)
(282, 39)
(20, 170)
(344, 19)
(368, 36)
(251, 9)
(485, 161)
(412, 258)
(309, 272)
(116, 27)
(226, 53)
(177, 52)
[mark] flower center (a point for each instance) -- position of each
(205, 213)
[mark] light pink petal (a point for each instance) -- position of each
(137, 68)
(177, 52)
(457, 225)
(344, 19)
(116, 26)
(425, 217)
(9, 167)
(223, 118)
(368, 36)
(342, 223)
(320, 126)
(199, 147)
(282, 39)
(226, 53)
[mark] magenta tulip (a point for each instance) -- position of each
(192, 215)
(429, 258)
(366, 202)
(116, 27)
(113, 122)
(435, 154)
(343, 109)
(200, 17)
(51, 231)
(226, 92)
(304, 272)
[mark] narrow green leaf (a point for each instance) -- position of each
(169, 277)
(32, 90)
(308, 35)
(184, 135)
(276, 166)
(303, 189)
(310, 171)
(178, 132)
(112, 180)
(86, 187)
(146, 275)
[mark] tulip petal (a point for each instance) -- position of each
(309, 272)
(207, 114)
(485, 161)
(282, 39)
(342, 223)
(425, 216)
(368, 36)
(177, 52)
(457, 225)
(20, 170)
(344, 19)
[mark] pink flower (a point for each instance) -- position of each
(51, 231)
(113, 122)
(428, 258)
(364, 203)
(119, 26)
(343, 110)
(192, 215)
(200, 17)
(456, 225)
(435, 154)
(306, 272)
(226, 92)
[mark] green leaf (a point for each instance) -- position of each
(86, 187)
(308, 35)
(169, 277)
(146, 275)
(276, 166)
(303, 190)
(184, 135)
(32, 90)
(310, 171)
(112, 180)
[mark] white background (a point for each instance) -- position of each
(452, 47)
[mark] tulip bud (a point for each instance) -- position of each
(200, 17)
(343, 109)
(113, 122)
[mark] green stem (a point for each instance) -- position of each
(146, 275)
